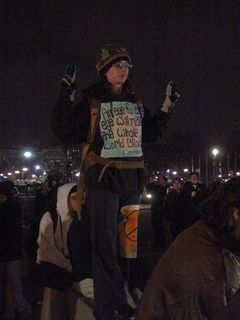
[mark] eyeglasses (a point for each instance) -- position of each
(120, 65)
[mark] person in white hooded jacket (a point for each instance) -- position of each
(65, 303)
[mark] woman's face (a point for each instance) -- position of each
(118, 73)
(73, 201)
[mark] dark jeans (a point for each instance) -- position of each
(109, 282)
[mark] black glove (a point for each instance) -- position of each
(68, 80)
(171, 97)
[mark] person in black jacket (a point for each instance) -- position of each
(158, 191)
(112, 122)
(195, 193)
(175, 208)
(11, 254)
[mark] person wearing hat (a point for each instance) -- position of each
(111, 122)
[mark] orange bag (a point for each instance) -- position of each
(128, 231)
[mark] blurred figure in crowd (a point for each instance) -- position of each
(213, 186)
(195, 193)
(65, 242)
(174, 208)
(158, 191)
(200, 272)
(46, 193)
(12, 300)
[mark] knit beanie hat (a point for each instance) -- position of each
(108, 55)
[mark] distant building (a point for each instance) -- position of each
(37, 162)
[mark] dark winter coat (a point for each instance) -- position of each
(201, 192)
(71, 124)
(10, 231)
(192, 204)
(175, 211)
(158, 193)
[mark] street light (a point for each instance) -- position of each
(215, 152)
(37, 170)
(27, 154)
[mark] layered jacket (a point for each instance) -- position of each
(123, 125)
(193, 280)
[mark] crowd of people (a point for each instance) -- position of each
(177, 204)
(83, 242)
(195, 278)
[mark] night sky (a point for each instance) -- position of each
(195, 43)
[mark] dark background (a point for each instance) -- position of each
(195, 43)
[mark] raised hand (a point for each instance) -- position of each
(171, 97)
(69, 80)
(70, 74)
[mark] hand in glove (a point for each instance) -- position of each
(85, 287)
(69, 78)
(171, 97)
